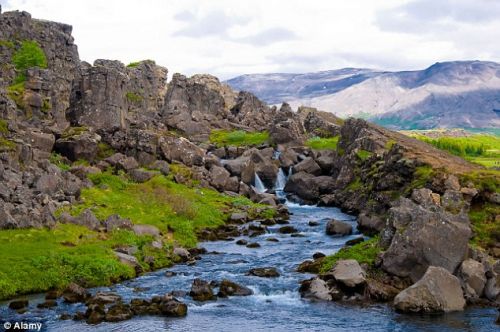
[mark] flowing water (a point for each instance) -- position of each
(258, 184)
(276, 304)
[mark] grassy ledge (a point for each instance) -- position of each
(318, 143)
(223, 138)
(364, 252)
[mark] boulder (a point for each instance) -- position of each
(104, 298)
(201, 290)
(129, 260)
(264, 272)
(181, 150)
(370, 224)
(424, 237)
(88, 219)
(309, 166)
(182, 253)
(287, 230)
(473, 274)
(119, 312)
(336, 227)
(78, 145)
(146, 230)
(140, 175)
(18, 304)
(162, 166)
(172, 307)
(75, 293)
(230, 288)
(114, 221)
(348, 272)
(316, 289)
(303, 185)
(286, 126)
(437, 291)
(238, 217)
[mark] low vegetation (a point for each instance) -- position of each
(364, 252)
(133, 97)
(485, 225)
(480, 148)
(29, 55)
(363, 154)
(318, 143)
(238, 138)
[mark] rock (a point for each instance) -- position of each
(287, 230)
(140, 175)
(264, 272)
(146, 230)
(162, 166)
(272, 239)
(129, 260)
(370, 225)
(286, 127)
(47, 304)
(127, 164)
(303, 185)
(473, 274)
(173, 308)
(424, 237)
(116, 222)
(336, 227)
(230, 288)
(78, 145)
(348, 272)
(378, 291)
(18, 304)
(308, 166)
(181, 150)
(118, 312)
(354, 241)
(318, 255)
(88, 219)
(253, 245)
(242, 242)
(238, 217)
(104, 298)
(182, 253)
(309, 266)
(75, 293)
(315, 289)
(201, 290)
(437, 291)
(319, 123)
(313, 223)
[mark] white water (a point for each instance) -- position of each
(281, 180)
(258, 184)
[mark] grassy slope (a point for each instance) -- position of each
(318, 143)
(238, 138)
(35, 260)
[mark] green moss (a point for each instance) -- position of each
(74, 131)
(6, 144)
(363, 154)
(104, 150)
(484, 225)
(29, 55)
(364, 252)
(133, 97)
(36, 260)
(136, 63)
(355, 184)
(421, 177)
(238, 138)
(4, 127)
(16, 93)
(59, 161)
(7, 43)
(485, 180)
(390, 143)
(46, 105)
(160, 202)
(318, 143)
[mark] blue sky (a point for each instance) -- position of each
(228, 38)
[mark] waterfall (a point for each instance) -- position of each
(281, 179)
(258, 184)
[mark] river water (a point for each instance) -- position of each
(276, 304)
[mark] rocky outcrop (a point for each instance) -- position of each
(424, 236)
(437, 291)
(201, 290)
(318, 123)
(286, 127)
(348, 272)
(336, 227)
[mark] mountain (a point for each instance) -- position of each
(464, 94)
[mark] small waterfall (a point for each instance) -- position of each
(258, 184)
(281, 179)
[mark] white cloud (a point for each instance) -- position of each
(228, 38)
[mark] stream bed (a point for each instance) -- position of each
(276, 304)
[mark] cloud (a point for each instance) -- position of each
(268, 36)
(213, 23)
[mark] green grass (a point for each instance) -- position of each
(136, 63)
(36, 260)
(238, 138)
(364, 252)
(355, 184)
(363, 154)
(318, 143)
(104, 150)
(480, 148)
(16, 93)
(4, 128)
(7, 43)
(160, 202)
(421, 177)
(57, 159)
(6, 144)
(484, 180)
(29, 55)
(133, 97)
(486, 230)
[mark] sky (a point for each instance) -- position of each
(228, 38)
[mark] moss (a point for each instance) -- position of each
(137, 63)
(6, 144)
(74, 131)
(46, 105)
(484, 180)
(421, 177)
(365, 253)
(318, 143)
(390, 143)
(4, 127)
(238, 138)
(16, 93)
(104, 151)
(363, 154)
(7, 43)
(355, 184)
(133, 97)
(161, 202)
(59, 161)
(484, 224)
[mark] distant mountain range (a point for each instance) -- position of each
(458, 94)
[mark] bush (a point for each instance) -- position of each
(29, 55)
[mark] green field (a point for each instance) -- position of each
(318, 143)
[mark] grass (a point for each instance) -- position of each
(480, 148)
(104, 150)
(133, 97)
(74, 131)
(484, 180)
(238, 138)
(318, 143)
(6, 144)
(355, 184)
(36, 260)
(161, 202)
(421, 177)
(486, 229)
(7, 43)
(4, 127)
(29, 55)
(58, 160)
(136, 63)
(363, 154)
(16, 93)
(364, 252)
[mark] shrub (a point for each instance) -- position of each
(29, 55)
